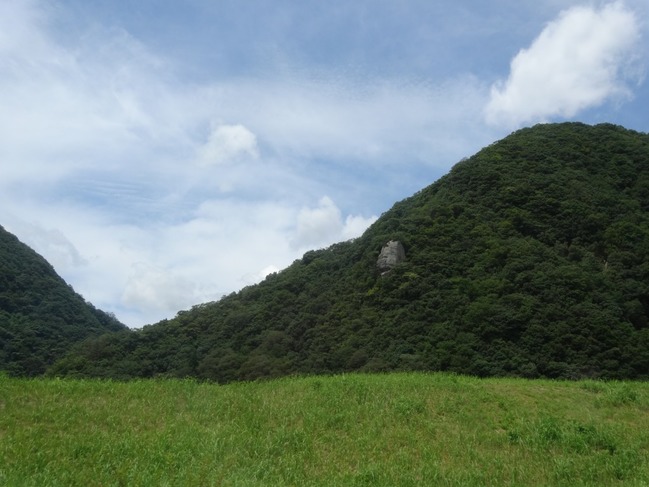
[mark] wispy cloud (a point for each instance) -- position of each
(580, 60)
(365, 120)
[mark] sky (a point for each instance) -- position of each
(161, 154)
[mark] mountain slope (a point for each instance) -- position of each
(530, 258)
(40, 315)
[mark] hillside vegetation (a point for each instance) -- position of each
(41, 317)
(530, 259)
(348, 430)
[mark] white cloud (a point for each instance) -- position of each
(64, 110)
(355, 225)
(580, 60)
(157, 290)
(323, 225)
(315, 226)
(228, 143)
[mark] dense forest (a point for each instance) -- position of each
(41, 317)
(530, 258)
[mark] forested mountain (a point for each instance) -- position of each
(41, 317)
(530, 258)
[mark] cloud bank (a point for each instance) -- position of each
(580, 60)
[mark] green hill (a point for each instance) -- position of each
(530, 258)
(41, 317)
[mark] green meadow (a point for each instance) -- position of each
(397, 429)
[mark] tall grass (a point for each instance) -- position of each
(392, 430)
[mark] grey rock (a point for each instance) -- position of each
(391, 254)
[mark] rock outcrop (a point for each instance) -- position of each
(391, 254)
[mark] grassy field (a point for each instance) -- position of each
(392, 430)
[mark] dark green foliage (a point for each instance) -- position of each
(40, 315)
(530, 259)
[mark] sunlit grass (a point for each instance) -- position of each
(395, 429)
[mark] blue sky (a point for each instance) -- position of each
(161, 154)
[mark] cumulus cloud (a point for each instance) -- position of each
(355, 225)
(323, 225)
(228, 143)
(158, 290)
(579, 60)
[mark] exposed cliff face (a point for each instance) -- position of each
(391, 254)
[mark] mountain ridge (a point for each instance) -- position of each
(530, 258)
